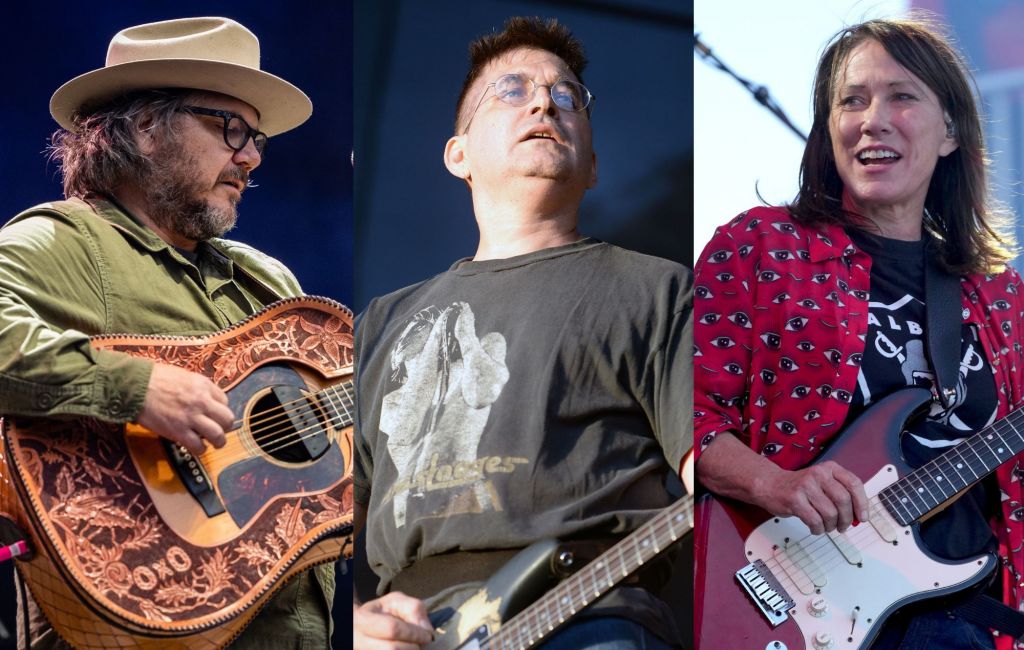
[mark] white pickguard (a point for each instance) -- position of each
(890, 573)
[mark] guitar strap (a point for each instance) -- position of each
(942, 308)
(986, 611)
(945, 327)
(431, 575)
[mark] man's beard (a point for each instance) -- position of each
(173, 195)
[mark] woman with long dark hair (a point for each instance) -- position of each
(809, 314)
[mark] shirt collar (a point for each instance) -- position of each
(829, 241)
(108, 209)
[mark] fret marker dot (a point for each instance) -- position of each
(647, 542)
(679, 517)
(565, 600)
(989, 436)
(904, 499)
(1000, 450)
(920, 489)
(959, 465)
(938, 478)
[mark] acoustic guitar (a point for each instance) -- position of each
(137, 543)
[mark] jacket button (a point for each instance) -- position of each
(44, 400)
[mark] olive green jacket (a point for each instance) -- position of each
(77, 268)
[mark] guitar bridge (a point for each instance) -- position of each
(193, 475)
(769, 596)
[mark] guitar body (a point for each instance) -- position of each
(521, 581)
(842, 586)
(137, 544)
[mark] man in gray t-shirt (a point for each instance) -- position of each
(537, 390)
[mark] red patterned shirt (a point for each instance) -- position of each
(781, 313)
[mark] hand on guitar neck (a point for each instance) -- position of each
(824, 496)
(186, 408)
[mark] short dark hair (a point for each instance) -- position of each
(521, 32)
(964, 218)
(100, 152)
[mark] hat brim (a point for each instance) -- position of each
(281, 105)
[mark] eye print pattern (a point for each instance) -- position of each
(758, 362)
(781, 319)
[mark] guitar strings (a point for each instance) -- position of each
(538, 620)
(284, 416)
(822, 555)
(859, 537)
(270, 430)
(535, 622)
(277, 412)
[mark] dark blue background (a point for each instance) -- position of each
(301, 212)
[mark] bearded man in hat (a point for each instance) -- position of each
(156, 149)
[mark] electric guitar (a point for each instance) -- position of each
(137, 543)
(495, 617)
(780, 587)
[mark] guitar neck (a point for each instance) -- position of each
(918, 493)
(590, 583)
(339, 403)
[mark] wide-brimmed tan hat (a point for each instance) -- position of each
(215, 54)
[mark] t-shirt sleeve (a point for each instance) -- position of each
(672, 363)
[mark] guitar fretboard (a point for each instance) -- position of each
(530, 626)
(927, 487)
(339, 402)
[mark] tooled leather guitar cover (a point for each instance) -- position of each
(108, 572)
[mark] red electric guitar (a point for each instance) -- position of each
(767, 583)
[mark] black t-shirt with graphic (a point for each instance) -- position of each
(506, 401)
(896, 356)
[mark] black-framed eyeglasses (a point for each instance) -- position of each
(517, 90)
(236, 130)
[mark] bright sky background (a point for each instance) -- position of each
(738, 142)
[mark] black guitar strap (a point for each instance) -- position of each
(942, 307)
(986, 611)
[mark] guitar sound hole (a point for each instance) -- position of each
(286, 425)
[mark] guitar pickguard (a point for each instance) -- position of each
(844, 585)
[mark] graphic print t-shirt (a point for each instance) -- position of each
(896, 356)
(508, 401)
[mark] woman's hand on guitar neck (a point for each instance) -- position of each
(186, 408)
(393, 621)
(824, 496)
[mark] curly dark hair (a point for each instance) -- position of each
(100, 152)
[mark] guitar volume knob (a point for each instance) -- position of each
(822, 641)
(817, 607)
